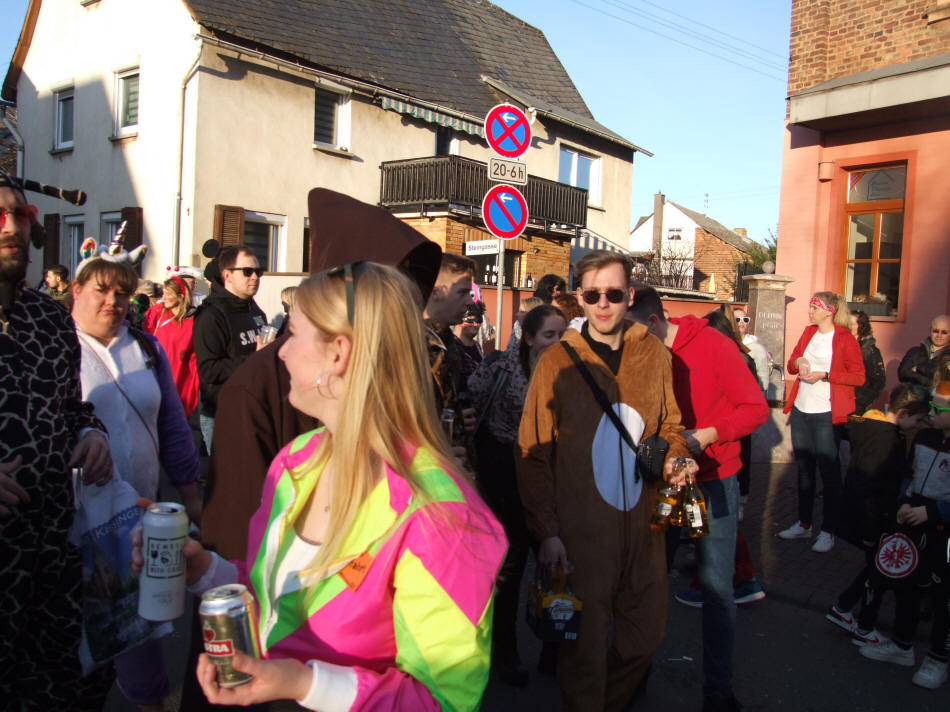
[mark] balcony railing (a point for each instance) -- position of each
(458, 181)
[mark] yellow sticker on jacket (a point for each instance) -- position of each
(355, 571)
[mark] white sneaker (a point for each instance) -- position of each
(842, 619)
(887, 651)
(932, 674)
(796, 531)
(824, 543)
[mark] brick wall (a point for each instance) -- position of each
(553, 254)
(713, 257)
(834, 38)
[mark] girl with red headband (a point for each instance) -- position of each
(828, 363)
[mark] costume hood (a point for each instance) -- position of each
(343, 229)
(689, 328)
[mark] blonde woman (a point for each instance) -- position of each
(174, 329)
(828, 363)
(371, 559)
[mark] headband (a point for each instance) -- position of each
(821, 304)
(181, 285)
(114, 252)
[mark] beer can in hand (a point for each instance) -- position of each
(162, 581)
(228, 624)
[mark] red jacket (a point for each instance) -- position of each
(847, 371)
(714, 387)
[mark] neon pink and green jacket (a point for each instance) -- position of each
(417, 630)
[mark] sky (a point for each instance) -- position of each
(699, 84)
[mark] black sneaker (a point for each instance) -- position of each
(721, 703)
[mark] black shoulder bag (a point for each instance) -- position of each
(651, 452)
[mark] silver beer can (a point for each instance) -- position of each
(229, 623)
(162, 581)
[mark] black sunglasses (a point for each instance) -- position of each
(248, 271)
(347, 271)
(614, 296)
(472, 320)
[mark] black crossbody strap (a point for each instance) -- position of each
(600, 396)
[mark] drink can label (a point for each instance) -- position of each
(227, 625)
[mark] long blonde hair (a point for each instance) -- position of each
(842, 316)
(387, 404)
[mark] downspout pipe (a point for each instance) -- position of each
(181, 148)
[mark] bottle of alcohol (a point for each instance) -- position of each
(667, 499)
(694, 509)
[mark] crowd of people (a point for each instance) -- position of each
(379, 474)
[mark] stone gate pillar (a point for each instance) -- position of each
(767, 309)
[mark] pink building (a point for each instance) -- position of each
(865, 206)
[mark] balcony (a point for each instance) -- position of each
(459, 184)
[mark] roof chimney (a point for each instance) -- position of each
(658, 201)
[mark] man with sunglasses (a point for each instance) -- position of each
(45, 430)
(226, 328)
(584, 500)
(919, 364)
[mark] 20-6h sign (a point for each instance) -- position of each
(505, 211)
(507, 130)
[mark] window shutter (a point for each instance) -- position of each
(133, 227)
(133, 231)
(51, 244)
(228, 225)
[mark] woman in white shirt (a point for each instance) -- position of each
(828, 363)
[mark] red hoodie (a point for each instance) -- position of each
(714, 387)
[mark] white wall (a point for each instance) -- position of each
(85, 46)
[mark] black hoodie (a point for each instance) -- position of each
(225, 334)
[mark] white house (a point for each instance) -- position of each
(195, 119)
(694, 251)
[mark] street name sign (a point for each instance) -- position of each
(481, 247)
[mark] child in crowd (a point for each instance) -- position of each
(924, 513)
(878, 465)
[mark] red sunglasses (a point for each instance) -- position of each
(22, 214)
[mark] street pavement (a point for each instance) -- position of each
(788, 657)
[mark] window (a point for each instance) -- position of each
(874, 231)
(264, 234)
(446, 143)
(65, 106)
(74, 228)
(109, 226)
(305, 261)
(674, 233)
(486, 269)
(127, 102)
(580, 171)
(331, 119)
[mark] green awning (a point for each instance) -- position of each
(432, 116)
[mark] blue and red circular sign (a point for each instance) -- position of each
(507, 130)
(505, 211)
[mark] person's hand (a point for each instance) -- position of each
(92, 454)
(12, 495)
(197, 559)
(468, 420)
(804, 368)
(275, 679)
(699, 439)
(552, 553)
(813, 376)
(678, 476)
(912, 516)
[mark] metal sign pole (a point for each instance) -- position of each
(501, 292)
